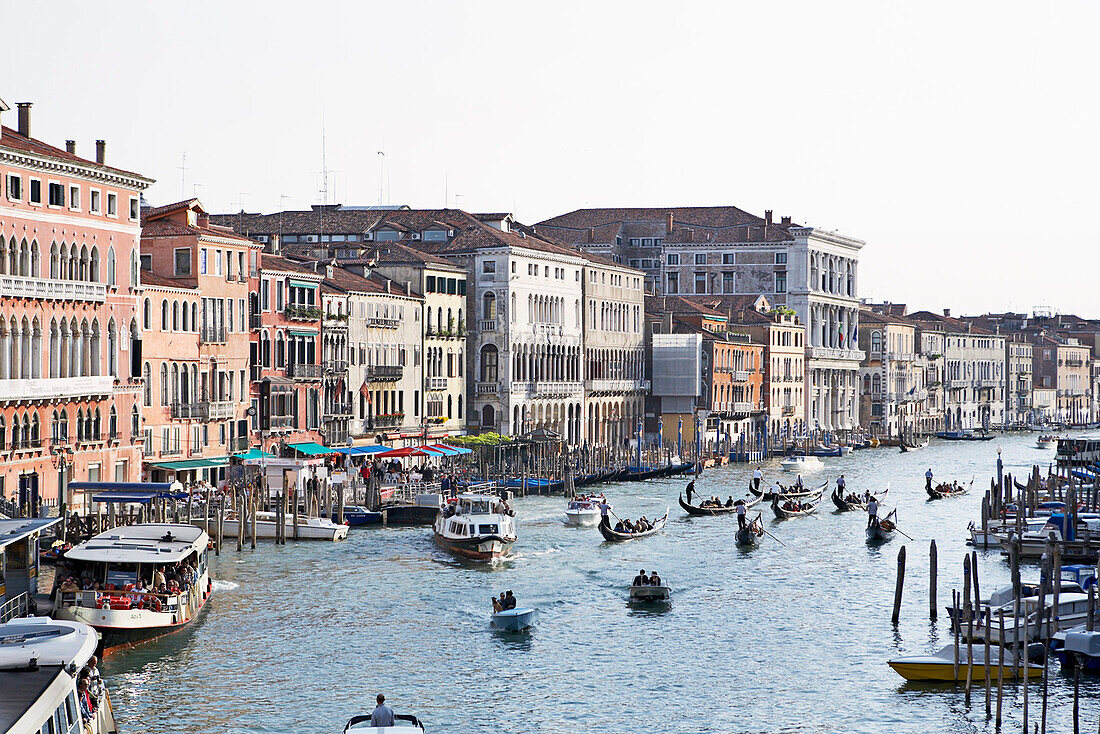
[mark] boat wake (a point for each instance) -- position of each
(220, 585)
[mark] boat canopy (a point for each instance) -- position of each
(158, 543)
(49, 641)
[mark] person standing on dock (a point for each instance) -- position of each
(928, 478)
(757, 477)
(872, 511)
(382, 714)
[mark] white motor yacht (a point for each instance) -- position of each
(309, 527)
(799, 463)
(120, 565)
(39, 660)
(476, 526)
(1033, 624)
(584, 511)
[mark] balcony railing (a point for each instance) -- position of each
(203, 411)
(212, 335)
(488, 388)
(384, 323)
(740, 376)
(437, 383)
(55, 387)
(743, 407)
(171, 451)
(336, 365)
(303, 371)
(384, 372)
(487, 325)
(280, 422)
(254, 321)
(616, 386)
(389, 420)
(25, 444)
(14, 286)
(834, 353)
(337, 438)
(302, 313)
(788, 410)
(336, 412)
(549, 388)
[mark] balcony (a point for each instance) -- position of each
(487, 388)
(833, 353)
(1074, 363)
(337, 412)
(616, 386)
(254, 321)
(212, 335)
(549, 389)
(336, 321)
(203, 411)
(303, 371)
(383, 323)
(14, 286)
(740, 376)
(302, 313)
(487, 325)
(387, 420)
(788, 410)
(173, 451)
(743, 407)
(334, 366)
(437, 383)
(337, 437)
(55, 387)
(280, 422)
(384, 372)
(549, 330)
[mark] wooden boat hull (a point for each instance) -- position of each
(876, 534)
(748, 537)
(513, 620)
(613, 537)
(782, 514)
(697, 510)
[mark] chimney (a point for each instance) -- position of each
(101, 152)
(767, 217)
(70, 147)
(24, 118)
(330, 270)
(591, 234)
(947, 312)
(786, 220)
(388, 281)
(669, 221)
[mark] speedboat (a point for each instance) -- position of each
(476, 526)
(650, 593)
(309, 527)
(940, 666)
(1079, 645)
(513, 620)
(356, 515)
(583, 511)
(36, 655)
(123, 559)
(800, 463)
(995, 533)
(1033, 624)
(402, 724)
(1046, 442)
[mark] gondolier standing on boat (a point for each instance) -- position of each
(757, 477)
(840, 485)
(604, 509)
(690, 490)
(740, 514)
(928, 478)
(872, 511)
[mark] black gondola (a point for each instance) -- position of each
(720, 510)
(614, 537)
(844, 505)
(783, 514)
(945, 490)
(751, 533)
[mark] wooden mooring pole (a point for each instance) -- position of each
(932, 573)
(897, 589)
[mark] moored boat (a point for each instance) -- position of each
(513, 620)
(403, 724)
(964, 436)
(309, 527)
(613, 536)
(355, 515)
(476, 526)
(122, 564)
(940, 665)
(40, 694)
(801, 463)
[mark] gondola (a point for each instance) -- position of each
(613, 537)
(906, 447)
(809, 508)
(751, 533)
(945, 490)
(681, 468)
(882, 530)
(787, 492)
(844, 505)
(722, 510)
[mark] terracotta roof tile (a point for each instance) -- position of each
(11, 139)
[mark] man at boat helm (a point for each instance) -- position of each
(382, 714)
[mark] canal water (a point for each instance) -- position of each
(789, 637)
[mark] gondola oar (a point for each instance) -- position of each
(895, 514)
(777, 540)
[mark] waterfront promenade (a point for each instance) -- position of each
(781, 638)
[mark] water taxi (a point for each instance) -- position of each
(39, 658)
(403, 724)
(660, 592)
(1046, 442)
(584, 511)
(940, 666)
(476, 526)
(120, 565)
(800, 463)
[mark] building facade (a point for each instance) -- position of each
(70, 338)
(893, 396)
(1019, 410)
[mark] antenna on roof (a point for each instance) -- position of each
(183, 176)
(381, 168)
(324, 163)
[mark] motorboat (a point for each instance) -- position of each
(584, 511)
(801, 463)
(940, 665)
(650, 593)
(403, 724)
(309, 526)
(513, 620)
(1080, 647)
(36, 657)
(964, 436)
(1060, 530)
(355, 515)
(420, 510)
(994, 534)
(1046, 442)
(121, 563)
(1033, 624)
(476, 526)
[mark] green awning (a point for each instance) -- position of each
(254, 454)
(210, 463)
(296, 332)
(302, 284)
(311, 449)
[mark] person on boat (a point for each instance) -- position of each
(88, 702)
(729, 501)
(604, 509)
(509, 601)
(158, 577)
(777, 488)
(643, 524)
(872, 512)
(740, 514)
(654, 579)
(91, 672)
(757, 477)
(690, 490)
(841, 485)
(382, 714)
(619, 527)
(641, 579)
(928, 478)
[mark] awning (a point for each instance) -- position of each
(125, 497)
(121, 486)
(188, 464)
(450, 450)
(312, 449)
(302, 283)
(254, 454)
(360, 450)
(302, 332)
(411, 451)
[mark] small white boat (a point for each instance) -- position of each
(1033, 624)
(583, 512)
(650, 593)
(39, 692)
(1046, 442)
(799, 463)
(309, 527)
(995, 533)
(402, 724)
(513, 620)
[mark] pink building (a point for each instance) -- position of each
(195, 315)
(70, 338)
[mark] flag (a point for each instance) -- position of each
(660, 429)
(365, 392)
(680, 437)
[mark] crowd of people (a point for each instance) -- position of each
(641, 525)
(142, 593)
(715, 502)
(504, 602)
(89, 690)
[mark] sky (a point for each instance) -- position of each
(958, 140)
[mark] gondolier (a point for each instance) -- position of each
(872, 511)
(741, 509)
(841, 484)
(928, 478)
(757, 477)
(690, 490)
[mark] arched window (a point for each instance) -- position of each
(111, 266)
(876, 341)
(866, 384)
(164, 384)
(147, 315)
(93, 265)
(280, 351)
(876, 384)
(175, 315)
(135, 423)
(489, 306)
(147, 376)
(489, 363)
(79, 424)
(135, 270)
(112, 424)
(164, 315)
(488, 417)
(186, 316)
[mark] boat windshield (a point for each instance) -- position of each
(480, 506)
